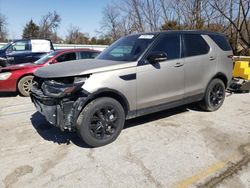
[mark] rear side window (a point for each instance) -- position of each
(88, 55)
(195, 45)
(66, 57)
(221, 41)
(170, 44)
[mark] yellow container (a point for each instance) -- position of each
(242, 69)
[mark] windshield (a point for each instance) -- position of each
(127, 48)
(45, 58)
(5, 46)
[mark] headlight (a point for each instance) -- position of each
(5, 75)
(58, 90)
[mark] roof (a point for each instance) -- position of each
(16, 40)
(76, 50)
(200, 32)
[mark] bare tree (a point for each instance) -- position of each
(166, 10)
(151, 13)
(3, 28)
(227, 16)
(133, 10)
(111, 21)
(75, 36)
(238, 19)
(49, 24)
(131, 16)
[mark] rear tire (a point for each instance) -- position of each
(24, 85)
(214, 96)
(101, 121)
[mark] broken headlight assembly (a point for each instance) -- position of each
(62, 87)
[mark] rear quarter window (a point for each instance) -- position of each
(221, 41)
(195, 45)
(88, 55)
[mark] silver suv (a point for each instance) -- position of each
(137, 75)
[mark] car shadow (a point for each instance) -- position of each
(154, 116)
(54, 134)
(50, 133)
(8, 94)
(239, 92)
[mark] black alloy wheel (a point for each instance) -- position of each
(217, 95)
(214, 95)
(101, 121)
(104, 122)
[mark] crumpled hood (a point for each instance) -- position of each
(17, 67)
(80, 67)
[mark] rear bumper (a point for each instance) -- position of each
(61, 113)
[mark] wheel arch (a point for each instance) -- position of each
(107, 92)
(222, 77)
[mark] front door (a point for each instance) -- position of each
(19, 52)
(163, 82)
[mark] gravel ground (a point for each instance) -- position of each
(181, 148)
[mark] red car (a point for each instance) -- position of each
(20, 77)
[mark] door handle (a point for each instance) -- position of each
(211, 58)
(179, 64)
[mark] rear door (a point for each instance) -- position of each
(200, 63)
(163, 82)
(88, 55)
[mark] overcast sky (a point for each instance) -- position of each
(86, 14)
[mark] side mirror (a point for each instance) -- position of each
(53, 61)
(155, 57)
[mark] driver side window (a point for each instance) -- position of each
(66, 57)
(170, 44)
(20, 46)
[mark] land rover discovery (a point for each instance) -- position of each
(137, 75)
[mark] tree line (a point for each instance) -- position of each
(124, 17)
(230, 17)
(47, 28)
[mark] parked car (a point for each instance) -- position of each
(24, 51)
(137, 75)
(20, 77)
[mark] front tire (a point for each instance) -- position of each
(101, 121)
(214, 96)
(24, 85)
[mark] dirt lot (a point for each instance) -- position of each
(182, 147)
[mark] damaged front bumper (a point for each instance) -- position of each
(62, 111)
